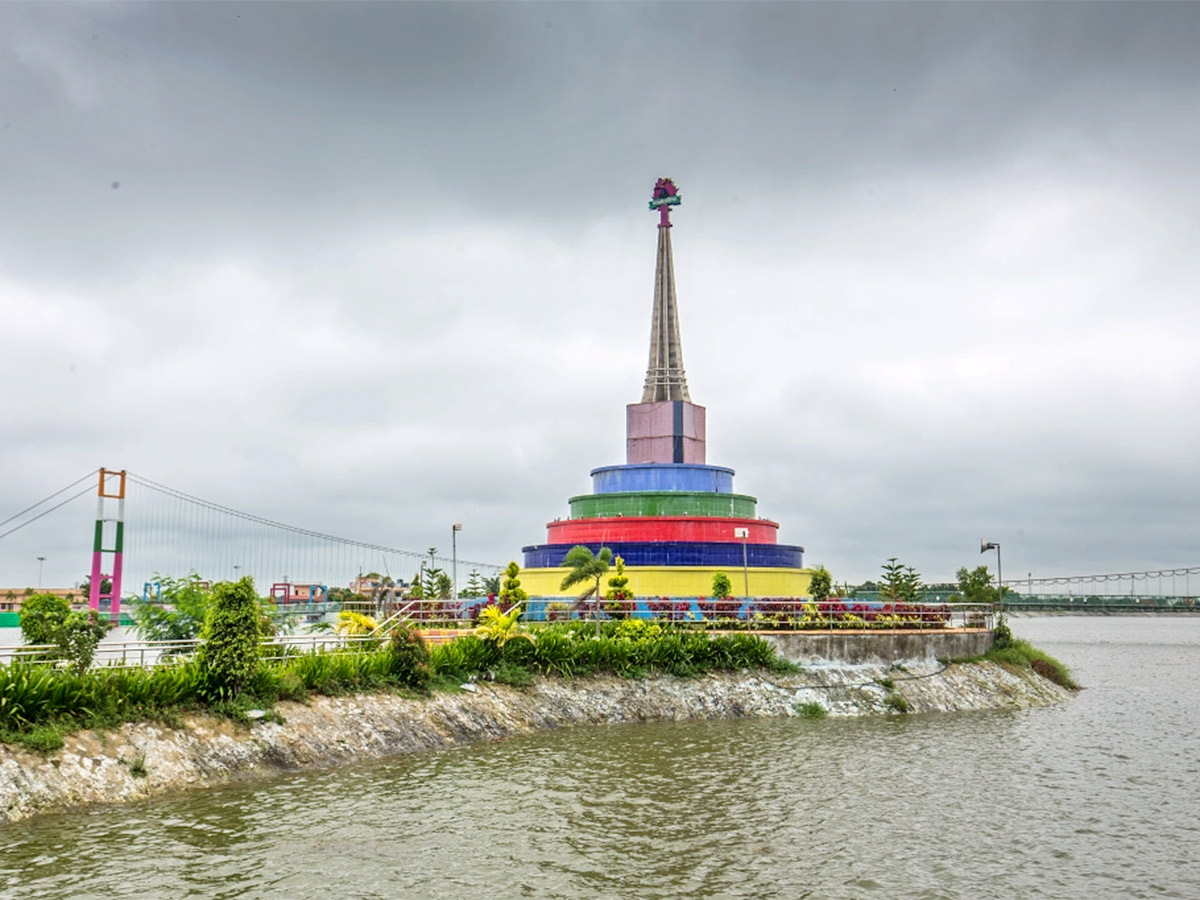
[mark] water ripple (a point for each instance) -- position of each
(1096, 798)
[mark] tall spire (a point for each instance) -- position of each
(665, 377)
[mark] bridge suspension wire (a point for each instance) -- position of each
(172, 532)
(1114, 583)
(87, 490)
(1114, 576)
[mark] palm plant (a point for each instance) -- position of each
(354, 624)
(586, 566)
(499, 627)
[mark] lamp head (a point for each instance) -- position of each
(985, 546)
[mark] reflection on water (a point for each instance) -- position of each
(1096, 798)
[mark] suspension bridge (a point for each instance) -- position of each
(144, 530)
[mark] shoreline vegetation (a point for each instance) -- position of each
(40, 704)
(198, 750)
(245, 707)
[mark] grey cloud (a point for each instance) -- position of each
(372, 268)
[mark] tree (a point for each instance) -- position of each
(177, 613)
(511, 592)
(976, 585)
(585, 566)
(901, 584)
(474, 585)
(48, 619)
(820, 585)
(721, 586)
(491, 584)
(228, 655)
(78, 637)
(618, 599)
(442, 586)
(85, 586)
(42, 615)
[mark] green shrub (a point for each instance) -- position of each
(178, 611)
(229, 652)
(811, 710)
(820, 584)
(721, 586)
(463, 657)
(511, 593)
(42, 615)
(897, 702)
(43, 739)
(409, 658)
(290, 686)
(77, 638)
(1003, 636)
(512, 674)
(1022, 654)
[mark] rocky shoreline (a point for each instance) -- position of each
(143, 760)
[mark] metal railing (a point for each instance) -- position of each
(1103, 603)
(140, 654)
(773, 613)
(452, 617)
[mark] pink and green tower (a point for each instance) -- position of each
(108, 601)
(672, 517)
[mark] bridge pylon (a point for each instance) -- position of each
(99, 551)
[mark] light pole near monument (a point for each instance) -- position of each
(984, 547)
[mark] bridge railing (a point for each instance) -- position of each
(1104, 602)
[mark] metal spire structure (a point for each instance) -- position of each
(672, 518)
(665, 427)
(665, 377)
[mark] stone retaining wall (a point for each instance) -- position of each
(146, 759)
(879, 648)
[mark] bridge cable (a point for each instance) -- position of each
(48, 499)
(86, 490)
(306, 532)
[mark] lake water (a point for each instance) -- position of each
(1098, 798)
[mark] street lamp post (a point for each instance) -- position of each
(744, 533)
(984, 547)
(454, 530)
(41, 562)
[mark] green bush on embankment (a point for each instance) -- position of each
(39, 704)
(1021, 654)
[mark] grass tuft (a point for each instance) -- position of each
(811, 710)
(1022, 654)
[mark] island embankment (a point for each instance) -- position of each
(146, 759)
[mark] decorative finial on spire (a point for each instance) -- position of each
(665, 196)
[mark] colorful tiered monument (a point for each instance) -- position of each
(674, 519)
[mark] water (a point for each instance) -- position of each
(1094, 799)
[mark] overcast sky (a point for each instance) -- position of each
(375, 269)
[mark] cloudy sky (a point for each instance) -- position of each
(375, 269)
